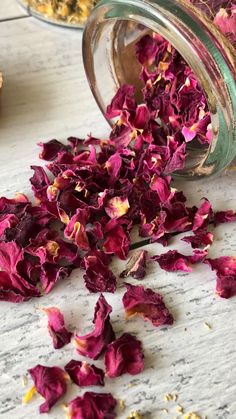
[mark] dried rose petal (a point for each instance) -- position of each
(146, 50)
(136, 265)
(50, 382)
(117, 241)
(117, 207)
(146, 303)
(84, 374)
(56, 327)
(40, 183)
(16, 289)
(94, 343)
(124, 355)
(92, 406)
(51, 149)
(200, 239)
(221, 217)
(173, 261)
(225, 268)
(123, 99)
(203, 216)
(98, 277)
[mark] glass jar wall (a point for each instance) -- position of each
(203, 32)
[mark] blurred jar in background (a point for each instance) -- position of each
(70, 13)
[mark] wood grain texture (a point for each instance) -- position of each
(46, 95)
(10, 9)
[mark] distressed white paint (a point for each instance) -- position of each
(46, 95)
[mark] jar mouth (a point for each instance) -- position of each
(109, 43)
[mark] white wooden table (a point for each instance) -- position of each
(45, 96)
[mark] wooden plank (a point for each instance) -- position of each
(10, 9)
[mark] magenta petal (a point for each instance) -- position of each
(173, 261)
(92, 406)
(56, 326)
(225, 268)
(94, 343)
(203, 215)
(200, 239)
(123, 99)
(98, 277)
(146, 303)
(124, 355)
(50, 382)
(51, 149)
(84, 374)
(221, 217)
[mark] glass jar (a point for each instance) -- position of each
(110, 36)
(69, 13)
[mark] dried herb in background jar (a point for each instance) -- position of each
(72, 13)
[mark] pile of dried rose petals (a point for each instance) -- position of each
(89, 198)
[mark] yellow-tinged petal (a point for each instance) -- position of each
(117, 207)
(29, 395)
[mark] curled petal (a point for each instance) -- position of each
(140, 301)
(84, 374)
(50, 382)
(94, 343)
(56, 327)
(136, 265)
(92, 406)
(124, 355)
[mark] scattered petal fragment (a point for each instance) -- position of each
(56, 326)
(92, 406)
(84, 374)
(146, 303)
(124, 355)
(50, 382)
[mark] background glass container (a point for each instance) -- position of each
(110, 36)
(69, 13)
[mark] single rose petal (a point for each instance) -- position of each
(50, 382)
(225, 268)
(203, 216)
(98, 277)
(94, 343)
(136, 265)
(124, 355)
(146, 50)
(84, 374)
(123, 99)
(56, 327)
(221, 217)
(51, 149)
(117, 207)
(173, 261)
(140, 301)
(117, 242)
(200, 239)
(92, 406)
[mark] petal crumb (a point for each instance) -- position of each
(165, 411)
(170, 397)
(121, 404)
(135, 415)
(179, 409)
(208, 326)
(29, 395)
(192, 415)
(24, 381)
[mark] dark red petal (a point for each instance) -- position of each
(94, 343)
(56, 326)
(146, 303)
(124, 355)
(84, 374)
(50, 382)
